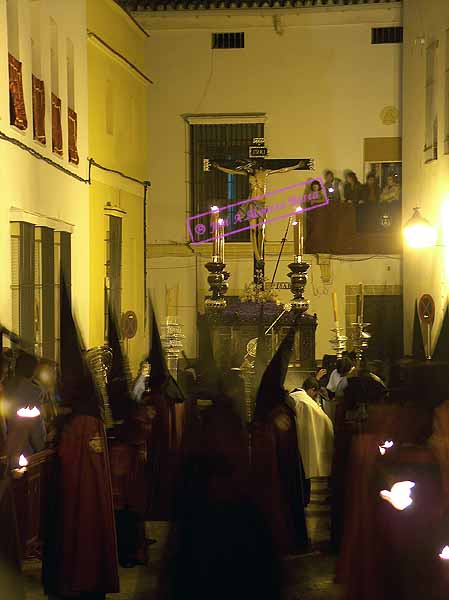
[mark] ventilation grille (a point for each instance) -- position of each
(386, 35)
(226, 41)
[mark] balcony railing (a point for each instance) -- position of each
(350, 229)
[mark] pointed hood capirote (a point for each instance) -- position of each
(441, 352)
(160, 376)
(262, 349)
(120, 400)
(210, 384)
(418, 351)
(271, 390)
(79, 389)
(159, 370)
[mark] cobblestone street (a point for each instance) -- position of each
(308, 577)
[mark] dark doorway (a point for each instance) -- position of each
(385, 315)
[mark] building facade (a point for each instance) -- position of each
(426, 153)
(316, 80)
(118, 151)
(74, 108)
(44, 205)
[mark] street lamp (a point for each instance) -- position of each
(418, 232)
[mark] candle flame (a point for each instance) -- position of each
(298, 209)
(385, 446)
(214, 208)
(22, 461)
(28, 413)
(399, 496)
(220, 221)
(444, 553)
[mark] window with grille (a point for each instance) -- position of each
(223, 144)
(228, 41)
(36, 256)
(386, 35)
(113, 281)
(431, 140)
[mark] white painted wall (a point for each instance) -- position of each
(30, 184)
(322, 86)
(425, 185)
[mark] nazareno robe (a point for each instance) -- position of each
(128, 450)
(163, 456)
(81, 549)
(387, 553)
(278, 480)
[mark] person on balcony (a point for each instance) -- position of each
(334, 187)
(353, 189)
(315, 194)
(391, 192)
(368, 217)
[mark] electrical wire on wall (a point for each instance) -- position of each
(209, 79)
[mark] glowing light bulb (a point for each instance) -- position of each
(399, 496)
(418, 232)
(28, 413)
(23, 461)
(444, 553)
(385, 446)
(331, 189)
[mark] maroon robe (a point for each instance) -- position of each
(387, 553)
(276, 481)
(88, 549)
(163, 458)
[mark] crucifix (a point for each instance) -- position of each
(258, 168)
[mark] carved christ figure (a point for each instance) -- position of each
(257, 176)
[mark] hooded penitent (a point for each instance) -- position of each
(80, 555)
(119, 395)
(166, 435)
(441, 351)
(277, 474)
(79, 389)
(271, 390)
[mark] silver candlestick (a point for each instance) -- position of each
(360, 339)
(339, 341)
(172, 342)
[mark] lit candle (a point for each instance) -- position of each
(444, 553)
(215, 241)
(297, 234)
(335, 308)
(20, 471)
(385, 447)
(23, 461)
(221, 240)
(399, 496)
(361, 303)
(28, 413)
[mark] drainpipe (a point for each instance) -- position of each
(146, 185)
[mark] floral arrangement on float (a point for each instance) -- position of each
(253, 293)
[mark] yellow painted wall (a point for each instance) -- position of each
(425, 185)
(118, 97)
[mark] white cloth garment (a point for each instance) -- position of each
(334, 380)
(315, 435)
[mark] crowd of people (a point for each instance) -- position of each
(235, 492)
(377, 207)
